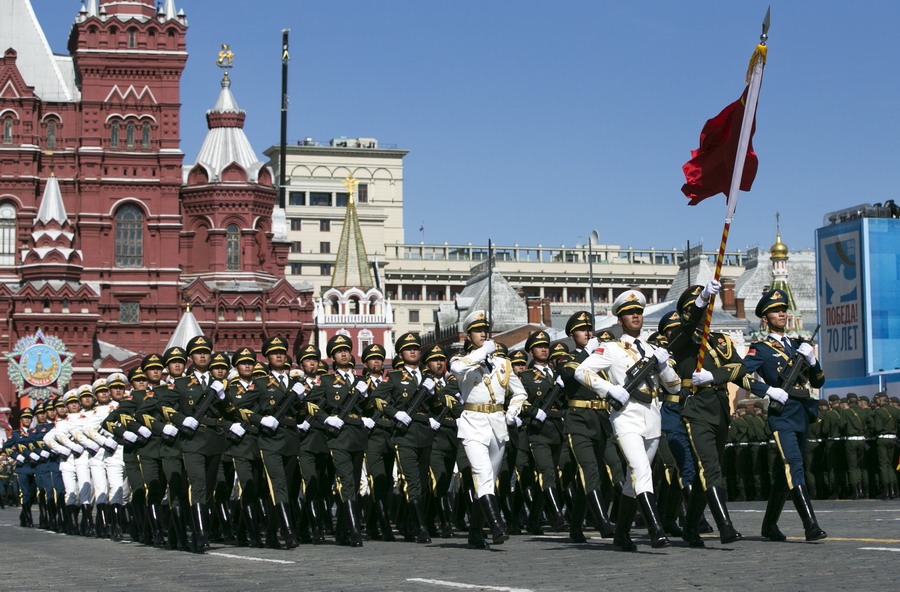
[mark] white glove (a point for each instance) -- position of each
(219, 389)
(269, 422)
(45, 454)
(560, 382)
(807, 351)
(403, 417)
(334, 422)
(777, 394)
(489, 347)
(662, 358)
(368, 422)
(618, 393)
(64, 452)
(303, 427)
(170, 430)
(701, 376)
(540, 415)
(79, 449)
(92, 446)
(143, 431)
(110, 444)
(511, 419)
(518, 422)
(712, 288)
(428, 383)
(435, 425)
(237, 430)
(190, 423)
(592, 345)
(33, 456)
(130, 437)
(299, 389)
(20, 458)
(363, 389)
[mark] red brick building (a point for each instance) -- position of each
(105, 234)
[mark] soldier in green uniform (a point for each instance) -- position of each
(242, 401)
(314, 461)
(379, 450)
(414, 438)
(742, 462)
(545, 428)
(280, 400)
(445, 448)
(833, 444)
(884, 427)
(853, 429)
(222, 523)
(334, 396)
(587, 430)
(812, 454)
(518, 462)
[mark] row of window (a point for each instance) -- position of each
(326, 198)
(324, 269)
(324, 247)
(297, 223)
(116, 139)
(130, 313)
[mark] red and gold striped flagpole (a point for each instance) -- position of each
(754, 81)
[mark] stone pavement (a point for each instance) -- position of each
(861, 554)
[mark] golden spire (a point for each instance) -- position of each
(350, 183)
(779, 250)
(226, 59)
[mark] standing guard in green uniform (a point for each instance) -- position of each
(884, 428)
(812, 454)
(853, 429)
(834, 452)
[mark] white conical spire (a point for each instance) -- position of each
(52, 206)
(226, 102)
(187, 329)
(93, 8)
(169, 10)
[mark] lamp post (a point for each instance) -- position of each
(592, 240)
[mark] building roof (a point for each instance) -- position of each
(53, 77)
(226, 142)
(507, 307)
(187, 329)
(52, 206)
(757, 277)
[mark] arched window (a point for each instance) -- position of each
(129, 236)
(51, 134)
(132, 38)
(114, 134)
(7, 129)
(145, 135)
(232, 248)
(129, 134)
(7, 234)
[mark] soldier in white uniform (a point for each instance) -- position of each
(60, 441)
(636, 425)
(484, 381)
(119, 491)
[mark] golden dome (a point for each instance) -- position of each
(779, 250)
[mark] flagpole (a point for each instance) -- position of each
(755, 72)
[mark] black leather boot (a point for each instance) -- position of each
(286, 528)
(491, 511)
(226, 523)
(598, 511)
(384, 519)
(252, 526)
(770, 528)
(354, 535)
(554, 510)
(476, 534)
(102, 521)
(71, 519)
(116, 516)
(201, 522)
(154, 514)
(669, 506)
(715, 498)
(577, 513)
(800, 495)
(87, 520)
(535, 514)
(418, 514)
(445, 513)
(694, 501)
(179, 524)
(658, 538)
(622, 537)
(315, 524)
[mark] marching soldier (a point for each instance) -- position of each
(884, 424)
(341, 410)
(315, 463)
(587, 428)
(831, 434)
(19, 445)
(545, 428)
(518, 463)
(853, 429)
(767, 358)
(413, 439)
(484, 380)
(379, 448)
(636, 423)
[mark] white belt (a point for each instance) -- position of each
(743, 443)
(888, 436)
(854, 437)
(813, 440)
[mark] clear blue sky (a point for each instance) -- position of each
(533, 122)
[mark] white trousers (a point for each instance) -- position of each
(98, 477)
(639, 453)
(83, 476)
(70, 481)
(119, 492)
(485, 459)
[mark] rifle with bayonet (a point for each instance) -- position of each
(349, 404)
(200, 410)
(425, 391)
(790, 376)
(286, 403)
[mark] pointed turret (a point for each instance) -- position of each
(187, 329)
(169, 11)
(351, 269)
(52, 254)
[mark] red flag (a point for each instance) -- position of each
(711, 167)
